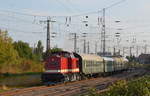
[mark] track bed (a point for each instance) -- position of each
(75, 88)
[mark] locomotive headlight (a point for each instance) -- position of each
(53, 59)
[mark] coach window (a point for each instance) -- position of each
(90, 63)
(87, 64)
(84, 63)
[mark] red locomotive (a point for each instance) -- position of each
(65, 66)
(61, 66)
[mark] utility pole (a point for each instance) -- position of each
(114, 53)
(48, 35)
(103, 39)
(119, 52)
(123, 51)
(88, 47)
(48, 21)
(75, 41)
(84, 46)
(145, 49)
(137, 50)
(95, 47)
(84, 43)
(130, 51)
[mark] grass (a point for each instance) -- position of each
(19, 74)
(135, 87)
(12, 81)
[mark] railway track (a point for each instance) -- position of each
(73, 88)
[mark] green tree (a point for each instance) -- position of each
(8, 55)
(48, 52)
(131, 58)
(29, 61)
(23, 49)
(39, 50)
(17, 57)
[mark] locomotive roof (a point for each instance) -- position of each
(125, 59)
(61, 52)
(108, 58)
(120, 59)
(91, 57)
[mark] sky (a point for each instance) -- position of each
(23, 20)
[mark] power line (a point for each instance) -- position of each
(114, 4)
(70, 3)
(95, 12)
(19, 13)
(26, 14)
(20, 31)
(12, 18)
(66, 7)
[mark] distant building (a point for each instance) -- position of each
(144, 58)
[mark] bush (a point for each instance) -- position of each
(30, 66)
(8, 55)
(137, 87)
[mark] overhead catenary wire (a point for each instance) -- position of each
(95, 12)
(82, 14)
(18, 19)
(72, 5)
(65, 6)
(73, 24)
(20, 31)
(27, 14)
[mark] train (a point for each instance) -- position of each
(67, 66)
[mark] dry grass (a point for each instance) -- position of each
(21, 81)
